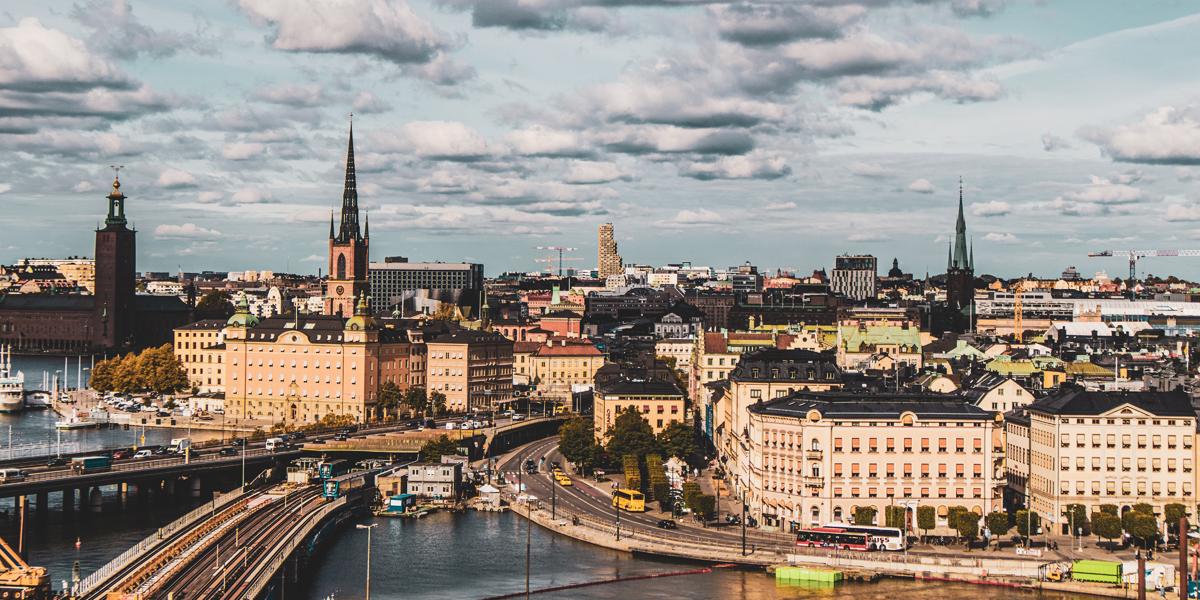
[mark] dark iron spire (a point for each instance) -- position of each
(349, 230)
(960, 258)
(367, 227)
(331, 229)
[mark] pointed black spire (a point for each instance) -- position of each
(959, 257)
(331, 230)
(349, 230)
(367, 227)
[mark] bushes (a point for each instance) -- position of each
(893, 516)
(926, 518)
(1106, 525)
(864, 515)
(662, 493)
(966, 523)
(998, 523)
(705, 506)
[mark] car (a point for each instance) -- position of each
(140, 454)
(554, 464)
(11, 475)
(518, 417)
(228, 451)
(237, 442)
(56, 461)
(299, 435)
(122, 453)
(667, 524)
(285, 437)
(340, 437)
(162, 413)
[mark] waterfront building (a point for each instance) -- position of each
(561, 366)
(349, 249)
(659, 401)
(717, 353)
(200, 349)
(80, 271)
(434, 480)
(855, 276)
(1100, 447)
(412, 287)
(474, 369)
(114, 317)
(810, 458)
(608, 260)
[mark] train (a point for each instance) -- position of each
(336, 487)
(329, 469)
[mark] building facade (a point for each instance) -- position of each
(474, 369)
(561, 366)
(200, 349)
(659, 402)
(608, 260)
(411, 287)
(855, 276)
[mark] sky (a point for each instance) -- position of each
(777, 132)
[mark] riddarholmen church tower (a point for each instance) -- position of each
(960, 266)
(348, 249)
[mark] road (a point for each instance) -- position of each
(582, 498)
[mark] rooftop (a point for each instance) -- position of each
(890, 406)
(1073, 400)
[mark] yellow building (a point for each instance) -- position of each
(200, 349)
(659, 402)
(563, 364)
(474, 369)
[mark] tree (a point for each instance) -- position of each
(967, 525)
(631, 435)
(893, 516)
(952, 514)
(864, 515)
(662, 493)
(577, 443)
(216, 304)
(1139, 508)
(1106, 525)
(158, 370)
(998, 523)
(1109, 509)
(102, 375)
(125, 374)
(389, 398)
(1144, 527)
(437, 403)
(705, 505)
(436, 449)
(1172, 513)
(1027, 522)
(679, 439)
(1075, 515)
(926, 518)
(416, 400)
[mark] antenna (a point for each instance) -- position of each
(116, 170)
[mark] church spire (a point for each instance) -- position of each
(960, 258)
(349, 230)
(367, 227)
(331, 233)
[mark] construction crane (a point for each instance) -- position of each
(550, 260)
(1135, 255)
(18, 578)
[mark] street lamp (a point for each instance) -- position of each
(368, 528)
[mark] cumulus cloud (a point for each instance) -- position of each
(367, 103)
(1004, 238)
(119, 33)
(752, 166)
(789, 205)
(175, 178)
(537, 15)
(185, 231)
(868, 236)
(1183, 212)
(993, 208)
(583, 172)
(1053, 143)
(242, 150)
(290, 94)
(250, 195)
(5, 188)
(675, 140)
(869, 170)
(542, 141)
(83, 187)
(1105, 191)
(921, 186)
(1167, 136)
(771, 24)
(700, 216)
(433, 140)
(878, 93)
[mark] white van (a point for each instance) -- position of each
(180, 445)
(274, 444)
(11, 475)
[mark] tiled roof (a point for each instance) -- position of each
(842, 405)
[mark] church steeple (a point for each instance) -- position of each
(349, 230)
(116, 204)
(960, 258)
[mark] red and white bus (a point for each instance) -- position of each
(833, 537)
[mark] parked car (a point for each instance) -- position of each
(667, 524)
(299, 435)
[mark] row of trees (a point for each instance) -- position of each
(151, 370)
(414, 399)
(630, 435)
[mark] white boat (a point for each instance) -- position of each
(12, 386)
(37, 400)
(78, 419)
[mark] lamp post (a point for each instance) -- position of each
(368, 528)
(743, 500)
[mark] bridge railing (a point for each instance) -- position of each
(207, 509)
(287, 546)
(146, 464)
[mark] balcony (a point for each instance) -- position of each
(814, 482)
(814, 454)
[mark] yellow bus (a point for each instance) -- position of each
(630, 500)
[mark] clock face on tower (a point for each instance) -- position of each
(340, 290)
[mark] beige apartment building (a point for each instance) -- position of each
(474, 369)
(561, 365)
(717, 353)
(1096, 447)
(200, 349)
(659, 402)
(811, 458)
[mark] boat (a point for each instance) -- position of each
(77, 419)
(37, 400)
(12, 386)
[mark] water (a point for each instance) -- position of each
(477, 555)
(34, 365)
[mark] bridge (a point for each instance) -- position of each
(488, 441)
(231, 547)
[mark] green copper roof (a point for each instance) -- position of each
(867, 339)
(242, 317)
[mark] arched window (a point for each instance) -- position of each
(341, 266)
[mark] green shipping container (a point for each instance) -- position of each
(1098, 571)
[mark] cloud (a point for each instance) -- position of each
(83, 187)
(921, 186)
(780, 206)
(878, 93)
(773, 24)
(209, 197)
(386, 29)
(117, 32)
(674, 140)
(869, 170)
(242, 151)
(1183, 212)
(536, 15)
(434, 140)
(186, 231)
(5, 188)
(289, 94)
(541, 141)
(868, 236)
(252, 196)
(1105, 191)
(993, 208)
(1166, 136)
(1052, 143)
(368, 103)
(174, 178)
(1004, 238)
(701, 216)
(753, 166)
(582, 172)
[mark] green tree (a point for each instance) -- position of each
(998, 523)
(1109, 509)
(416, 400)
(216, 304)
(1172, 513)
(691, 490)
(926, 518)
(952, 514)
(577, 443)
(631, 435)
(435, 449)
(102, 375)
(389, 398)
(1075, 515)
(1143, 527)
(1028, 522)
(893, 516)
(158, 370)
(705, 505)
(1128, 517)
(1105, 525)
(679, 439)
(437, 403)
(662, 493)
(967, 525)
(864, 515)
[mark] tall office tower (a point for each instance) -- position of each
(608, 261)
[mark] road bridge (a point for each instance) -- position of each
(485, 441)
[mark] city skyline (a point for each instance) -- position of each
(488, 129)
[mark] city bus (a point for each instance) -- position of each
(832, 537)
(629, 500)
(884, 538)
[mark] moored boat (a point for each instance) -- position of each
(12, 386)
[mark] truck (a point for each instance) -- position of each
(179, 445)
(275, 444)
(91, 464)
